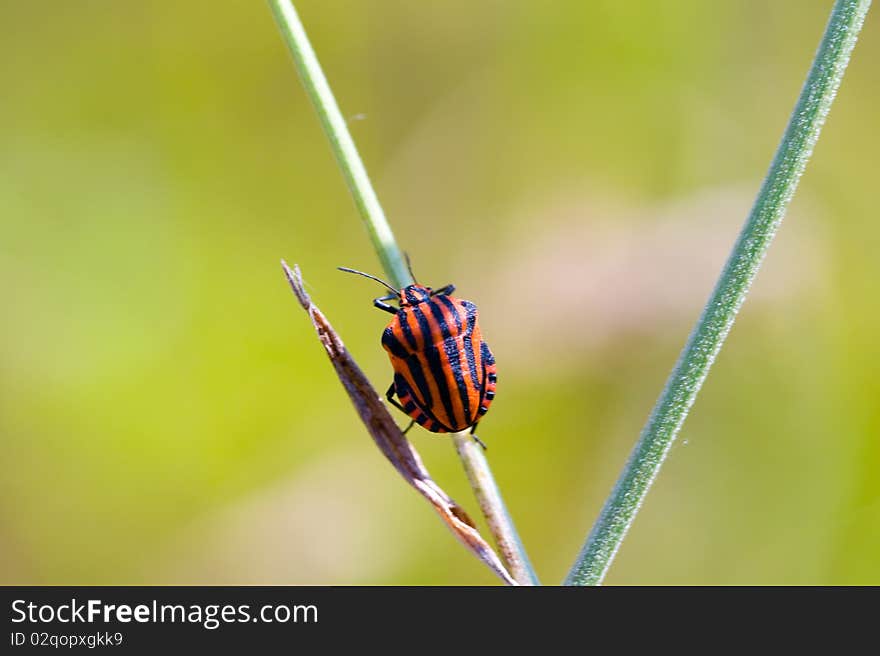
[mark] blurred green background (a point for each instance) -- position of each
(579, 170)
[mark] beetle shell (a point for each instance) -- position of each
(444, 373)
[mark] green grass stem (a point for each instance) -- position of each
(316, 85)
(730, 291)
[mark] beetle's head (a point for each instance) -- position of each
(414, 294)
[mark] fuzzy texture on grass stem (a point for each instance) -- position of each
(346, 153)
(489, 497)
(718, 316)
(315, 83)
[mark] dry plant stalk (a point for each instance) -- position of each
(388, 436)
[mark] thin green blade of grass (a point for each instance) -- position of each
(390, 255)
(336, 129)
(714, 324)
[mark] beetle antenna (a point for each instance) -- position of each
(367, 275)
(409, 266)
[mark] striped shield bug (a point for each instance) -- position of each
(444, 373)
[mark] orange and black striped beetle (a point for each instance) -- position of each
(444, 373)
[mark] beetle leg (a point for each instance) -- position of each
(446, 291)
(477, 439)
(379, 303)
(390, 396)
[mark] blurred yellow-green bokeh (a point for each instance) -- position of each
(578, 169)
